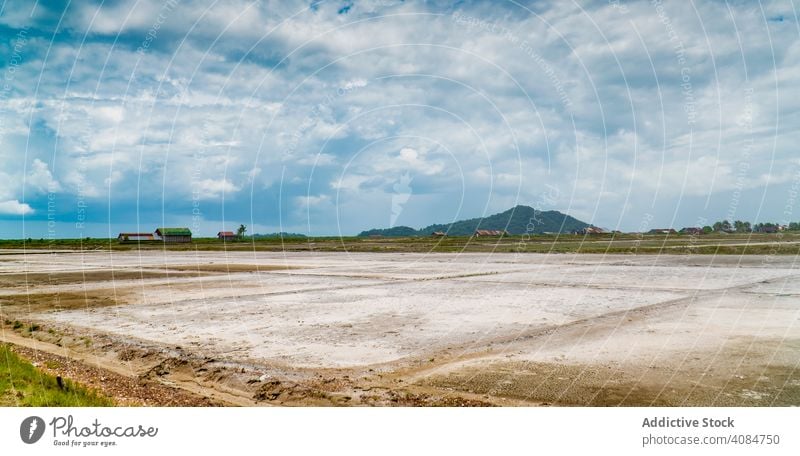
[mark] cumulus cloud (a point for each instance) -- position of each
(14, 207)
(627, 111)
(41, 179)
(215, 188)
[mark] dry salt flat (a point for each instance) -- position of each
(352, 311)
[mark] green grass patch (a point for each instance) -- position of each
(21, 384)
(787, 243)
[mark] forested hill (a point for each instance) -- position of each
(517, 220)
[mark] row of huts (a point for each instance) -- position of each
(170, 236)
(691, 230)
(166, 235)
(597, 230)
(477, 233)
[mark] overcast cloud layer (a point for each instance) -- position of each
(334, 117)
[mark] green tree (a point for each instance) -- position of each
(240, 231)
(707, 229)
(724, 225)
(742, 227)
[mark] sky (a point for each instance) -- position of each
(329, 118)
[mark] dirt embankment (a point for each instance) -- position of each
(124, 390)
(133, 374)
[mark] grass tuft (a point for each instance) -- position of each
(22, 384)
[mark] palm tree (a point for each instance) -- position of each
(240, 231)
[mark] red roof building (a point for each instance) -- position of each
(590, 230)
(479, 233)
(662, 231)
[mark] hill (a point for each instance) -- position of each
(397, 231)
(517, 220)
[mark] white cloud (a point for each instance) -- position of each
(215, 188)
(115, 177)
(41, 179)
(310, 201)
(586, 98)
(14, 207)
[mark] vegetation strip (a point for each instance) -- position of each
(22, 384)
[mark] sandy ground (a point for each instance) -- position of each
(420, 329)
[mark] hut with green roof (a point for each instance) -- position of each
(174, 235)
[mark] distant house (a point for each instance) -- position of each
(174, 235)
(438, 234)
(662, 231)
(693, 230)
(590, 230)
(135, 237)
(768, 229)
(495, 233)
(226, 236)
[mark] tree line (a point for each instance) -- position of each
(739, 226)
